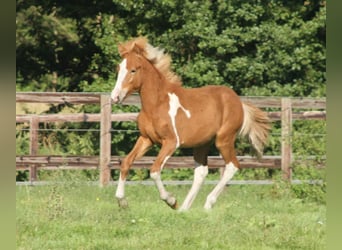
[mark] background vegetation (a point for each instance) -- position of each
(256, 47)
(267, 48)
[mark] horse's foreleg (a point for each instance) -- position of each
(165, 153)
(139, 149)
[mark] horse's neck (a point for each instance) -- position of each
(153, 91)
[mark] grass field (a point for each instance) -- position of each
(79, 216)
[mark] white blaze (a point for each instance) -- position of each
(174, 106)
(121, 76)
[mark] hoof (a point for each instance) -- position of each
(172, 202)
(123, 203)
(174, 206)
(208, 206)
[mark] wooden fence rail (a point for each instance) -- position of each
(94, 98)
(308, 115)
(87, 162)
(104, 162)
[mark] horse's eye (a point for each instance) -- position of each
(133, 71)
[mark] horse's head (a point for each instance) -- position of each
(129, 78)
(137, 56)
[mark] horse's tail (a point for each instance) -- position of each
(256, 125)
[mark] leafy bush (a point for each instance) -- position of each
(316, 186)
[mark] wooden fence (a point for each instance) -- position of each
(315, 111)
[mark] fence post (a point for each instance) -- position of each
(105, 139)
(34, 125)
(286, 127)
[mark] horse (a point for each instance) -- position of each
(176, 117)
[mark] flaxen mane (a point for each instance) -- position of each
(155, 55)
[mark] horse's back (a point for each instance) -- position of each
(215, 99)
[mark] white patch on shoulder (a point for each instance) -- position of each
(174, 106)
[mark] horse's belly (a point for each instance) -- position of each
(193, 135)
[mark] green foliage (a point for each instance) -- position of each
(245, 44)
(22, 141)
(309, 138)
(315, 191)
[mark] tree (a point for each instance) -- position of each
(269, 48)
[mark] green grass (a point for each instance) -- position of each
(77, 216)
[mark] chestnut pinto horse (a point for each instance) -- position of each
(176, 117)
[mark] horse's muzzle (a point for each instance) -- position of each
(118, 97)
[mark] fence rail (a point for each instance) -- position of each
(80, 162)
(105, 162)
(95, 98)
(84, 117)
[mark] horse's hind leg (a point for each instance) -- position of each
(201, 171)
(226, 148)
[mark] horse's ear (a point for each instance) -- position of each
(137, 45)
(137, 49)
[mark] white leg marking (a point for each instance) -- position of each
(120, 190)
(163, 163)
(163, 193)
(174, 106)
(199, 176)
(116, 93)
(228, 174)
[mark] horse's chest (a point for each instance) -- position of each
(166, 122)
(151, 126)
